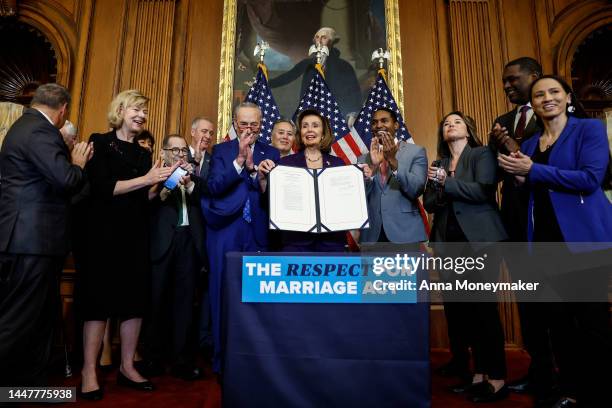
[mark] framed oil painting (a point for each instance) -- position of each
(289, 27)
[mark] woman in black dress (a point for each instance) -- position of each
(113, 283)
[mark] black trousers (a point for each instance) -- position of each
(173, 289)
(29, 309)
(535, 322)
(581, 339)
(581, 336)
(478, 326)
(535, 330)
(474, 325)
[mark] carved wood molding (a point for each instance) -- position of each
(58, 27)
(146, 56)
(477, 60)
(575, 27)
(8, 8)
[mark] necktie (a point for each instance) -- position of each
(180, 197)
(384, 172)
(520, 126)
(246, 211)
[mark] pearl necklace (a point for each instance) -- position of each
(313, 160)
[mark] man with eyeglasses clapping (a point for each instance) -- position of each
(236, 215)
(177, 255)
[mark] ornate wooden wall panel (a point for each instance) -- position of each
(519, 31)
(203, 54)
(477, 60)
(102, 55)
(453, 53)
(146, 57)
(423, 72)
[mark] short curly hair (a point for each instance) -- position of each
(131, 97)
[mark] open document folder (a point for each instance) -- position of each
(317, 200)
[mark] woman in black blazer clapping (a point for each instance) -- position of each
(461, 194)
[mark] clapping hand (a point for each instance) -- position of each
(376, 154)
(368, 172)
(515, 163)
(81, 154)
(245, 154)
(389, 148)
(501, 138)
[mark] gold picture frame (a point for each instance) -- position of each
(228, 45)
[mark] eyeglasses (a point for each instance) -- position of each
(178, 151)
(247, 124)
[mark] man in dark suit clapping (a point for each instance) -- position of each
(236, 213)
(177, 252)
(39, 175)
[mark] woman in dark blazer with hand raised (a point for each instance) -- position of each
(460, 192)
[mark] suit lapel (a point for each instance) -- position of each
(204, 165)
(531, 128)
(462, 163)
(259, 153)
(507, 121)
(569, 129)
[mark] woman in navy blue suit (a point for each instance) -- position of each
(314, 140)
(563, 168)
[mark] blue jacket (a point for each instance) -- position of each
(228, 191)
(573, 176)
(394, 205)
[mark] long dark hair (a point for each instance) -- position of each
(578, 110)
(473, 139)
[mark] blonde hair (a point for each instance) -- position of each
(9, 113)
(125, 99)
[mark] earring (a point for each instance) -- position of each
(571, 109)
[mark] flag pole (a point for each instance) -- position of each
(260, 50)
(320, 51)
(319, 68)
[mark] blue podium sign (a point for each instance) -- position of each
(327, 279)
(321, 349)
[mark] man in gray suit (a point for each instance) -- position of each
(204, 130)
(202, 133)
(398, 176)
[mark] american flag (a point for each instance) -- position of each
(319, 97)
(260, 94)
(380, 96)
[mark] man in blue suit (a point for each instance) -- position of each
(235, 209)
(399, 175)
